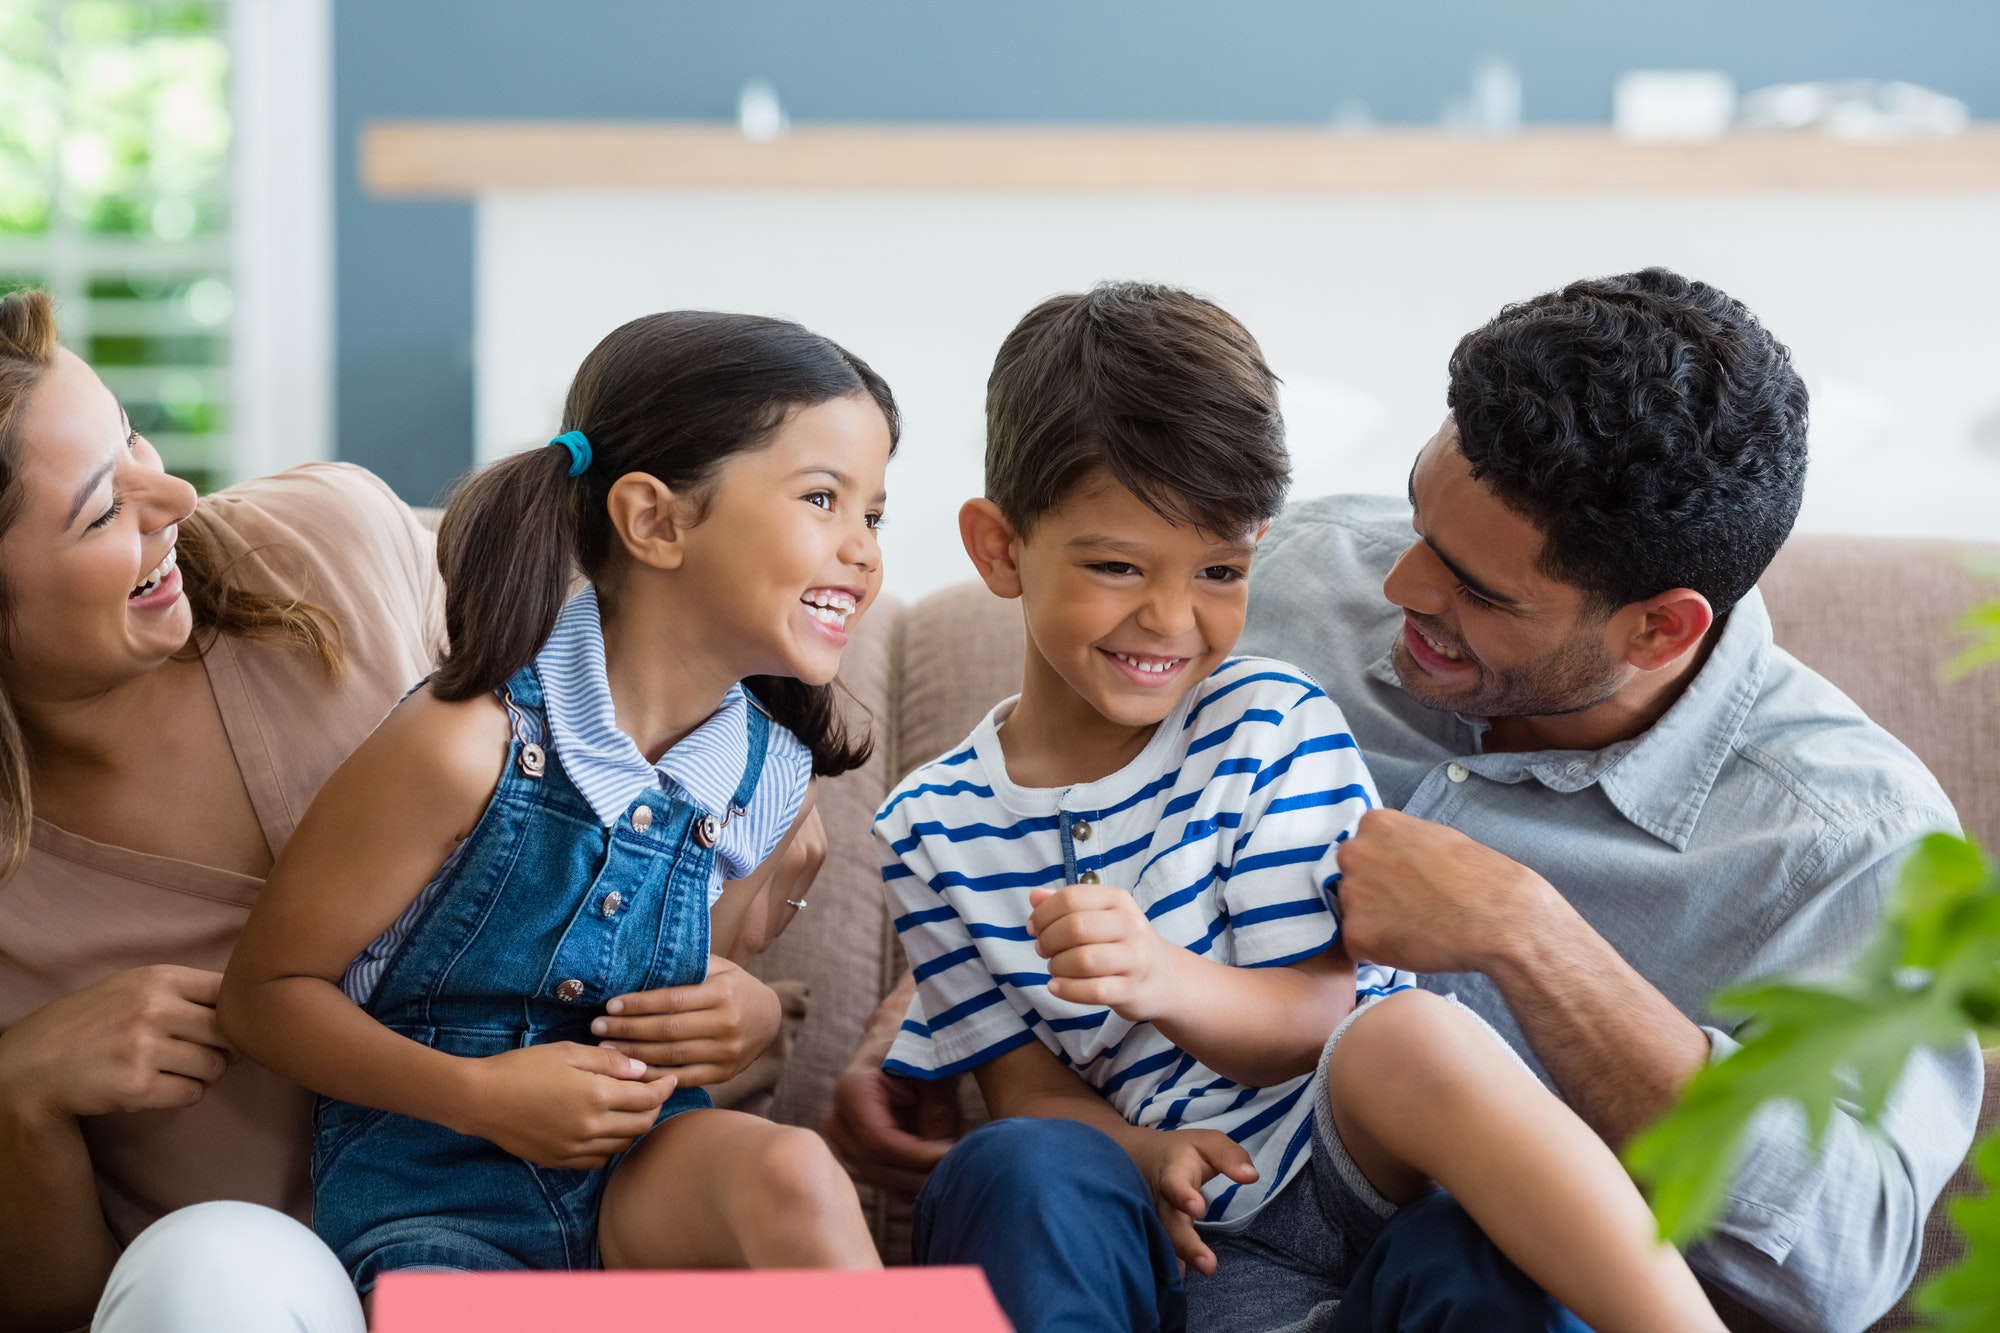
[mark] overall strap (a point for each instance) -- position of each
(757, 724)
(522, 698)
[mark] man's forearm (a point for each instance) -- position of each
(1617, 1049)
(55, 1249)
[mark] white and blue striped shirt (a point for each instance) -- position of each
(610, 771)
(1225, 828)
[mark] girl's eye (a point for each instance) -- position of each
(1474, 599)
(876, 520)
(819, 499)
(104, 519)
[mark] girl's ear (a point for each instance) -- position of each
(993, 545)
(651, 520)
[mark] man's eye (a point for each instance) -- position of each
(1474, 599)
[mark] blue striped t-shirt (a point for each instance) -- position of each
(1224, 828)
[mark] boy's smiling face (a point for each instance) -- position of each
(1128, 610)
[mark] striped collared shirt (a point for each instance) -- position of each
(1224, 828)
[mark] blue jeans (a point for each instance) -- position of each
(1063, 1224)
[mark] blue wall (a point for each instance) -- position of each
(404, 269)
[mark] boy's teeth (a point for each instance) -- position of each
(1145, 666)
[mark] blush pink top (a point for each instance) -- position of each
(79, 911)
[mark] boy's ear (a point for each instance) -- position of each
(650, 519)
(993, 545)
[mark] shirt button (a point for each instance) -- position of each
(1574, 770)
(1457, 772)
(610, 904)
(570, 991)
(1081, 832)
(642, 818)
(1087, 877)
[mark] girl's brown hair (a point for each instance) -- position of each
(672, 395)
(220, 604)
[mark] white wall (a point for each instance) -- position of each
(1891, 305)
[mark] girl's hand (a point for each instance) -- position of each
(705, 1034)
(140, 1040)
(1177, 1163)
(1102, 950)
(564, 1104)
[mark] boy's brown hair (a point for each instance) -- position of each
(1166, 392)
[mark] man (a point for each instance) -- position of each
(1609, 793)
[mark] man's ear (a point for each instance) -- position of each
(1668, 627)
(651, 520)
(993, 545)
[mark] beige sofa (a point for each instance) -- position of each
(1872, 615)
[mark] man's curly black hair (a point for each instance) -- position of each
(1647, 424)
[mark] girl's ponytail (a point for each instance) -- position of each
(505, 548)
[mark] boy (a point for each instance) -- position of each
(1117, 895)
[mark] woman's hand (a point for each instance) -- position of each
(140, 1040)
(1176, 1164)
(705, 1034)
(563, 1104)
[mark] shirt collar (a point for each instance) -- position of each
(605, 763)
(1660, 779)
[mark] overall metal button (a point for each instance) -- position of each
(570, 991)
(1081, 832)
(610, 904)
(642, 818)
(1457, 772)
(707, 830)
(534, 762)
(1087, 877)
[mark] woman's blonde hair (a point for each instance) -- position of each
(221, 605)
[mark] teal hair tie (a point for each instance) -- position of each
(579, 450)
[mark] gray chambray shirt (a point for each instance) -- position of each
(1756, 829)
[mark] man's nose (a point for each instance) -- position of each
(1414, 582)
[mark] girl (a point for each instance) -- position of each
(463, 946)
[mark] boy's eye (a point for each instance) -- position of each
(1474, 599)
(1222, 573)
(1116, 568)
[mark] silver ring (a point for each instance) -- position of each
(795, 903)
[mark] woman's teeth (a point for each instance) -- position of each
(1152, 664)
(828, 606)
(160, 571)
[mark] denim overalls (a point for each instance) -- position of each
(539, 917)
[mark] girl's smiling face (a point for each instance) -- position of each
(786, 548)
(93, 595)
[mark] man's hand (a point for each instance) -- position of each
(564, 1104)
(1422, 896)
(891, 1131)
(141, 1040)
(704, 1034)
(1102, 950)
(1176, 1164)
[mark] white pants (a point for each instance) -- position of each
(228, 1268)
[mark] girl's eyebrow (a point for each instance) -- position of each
(838, 478)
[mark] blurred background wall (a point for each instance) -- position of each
(187, 175)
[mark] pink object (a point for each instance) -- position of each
(901, 1300)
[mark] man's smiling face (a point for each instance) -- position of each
(1485, 631)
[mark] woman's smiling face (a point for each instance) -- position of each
(93, 597)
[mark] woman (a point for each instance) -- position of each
(176, 681)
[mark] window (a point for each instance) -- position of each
(115, 198)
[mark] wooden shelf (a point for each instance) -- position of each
(443, 159)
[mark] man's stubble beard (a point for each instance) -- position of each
(1574, 676)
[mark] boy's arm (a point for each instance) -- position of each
(1030, 1081)
(1254, 1025)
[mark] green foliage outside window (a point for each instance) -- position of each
(1931, 978)
(114, 196)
